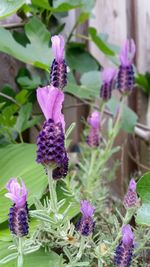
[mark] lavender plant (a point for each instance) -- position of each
(101, 235)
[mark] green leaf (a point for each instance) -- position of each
(128, 117)
(29, 83)
(82, 91)
(37, 52)
(143, 215)
(80, 60)
(19, 161)
(128, 120)
(37, 259)
(8, 7)
(92, 78)
(103, 46)
(143, 187)
(23, 120)
(143, 80)
(66, 5)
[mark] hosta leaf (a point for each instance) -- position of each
(19, 161)
(8, 7)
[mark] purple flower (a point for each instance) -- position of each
(16, 192)
(131, 198)
(124, 251)
(18, 214)
(51, 139)
(58, 46)
(86, 224)
(125, 79)
(58, 75)
(94, 134)
(108, 76)
(50, 100)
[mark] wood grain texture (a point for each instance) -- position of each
(109, 17)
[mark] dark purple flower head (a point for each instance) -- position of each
(124, 251)
(58, 75)
(125, 79)
(86, 223)
(18, 214)
(131, 198)
(94, 121)
(108, 76)
(51, 140)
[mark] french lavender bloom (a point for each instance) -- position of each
(51, 139)
(131, 198)
(58, 75)
(86, 224)
(94, 121)
(125, 79)
(18, 214)
(124, 251)
(108, 76)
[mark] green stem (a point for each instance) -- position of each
(20, 253)
(81, 249)
(52, 190)
(21, 138)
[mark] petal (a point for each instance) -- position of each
(87, 209)
(132, 185)
(94, 119)
(127, 235)
(50, 100)
(108, 75)
(12, 197)
(8, 185)
(58, 45)
(127, 53)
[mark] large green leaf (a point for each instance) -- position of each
(36, 259)
(143, 187)
(82, 91)
(128, 116)
(102, 45)
(143, 215)
(80, 60)
(92, 78)
(36, 53)
(8, 7)
(19, 161)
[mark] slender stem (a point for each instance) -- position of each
(21, 138)
(9, 98)
(52, 190)
(71, 33)
(81, 249)
(20, 252)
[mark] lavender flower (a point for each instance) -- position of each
(108, 76)
(18, 214)
(58, 75)
(125, 79)
(86, 224)
(124, 251)
(131, 198)
(94, 121)
(50, 141)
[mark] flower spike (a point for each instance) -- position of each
(108, 76)
(86, 224)
(94, 121)
(58, 75)
(125, 79)
(18, 214)
(131, 198)
(124, 251)
(51, 140)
